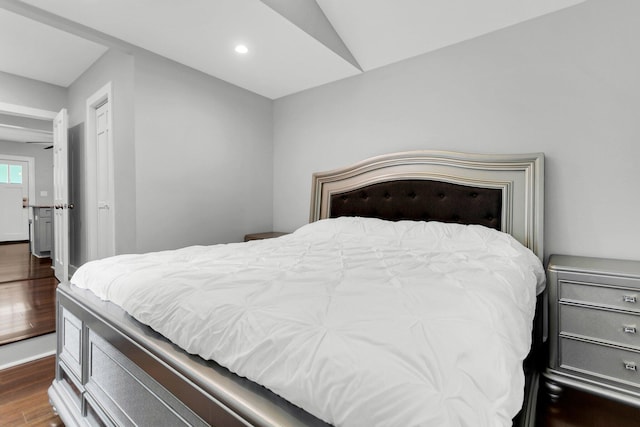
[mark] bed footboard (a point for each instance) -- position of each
(112, 370)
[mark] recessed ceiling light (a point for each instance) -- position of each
(242, 48)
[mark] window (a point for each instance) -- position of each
(10, 174)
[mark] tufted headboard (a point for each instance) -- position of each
(421, 199)
(504, 192)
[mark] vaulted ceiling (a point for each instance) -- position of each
(292, 44)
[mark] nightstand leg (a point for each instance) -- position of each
(553, 390)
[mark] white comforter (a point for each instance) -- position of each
(361, 322)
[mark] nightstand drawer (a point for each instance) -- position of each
(594, 326)
(611, 363)
(618, 328)
(589, 293)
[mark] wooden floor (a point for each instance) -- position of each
(578, 409)
(27, 294)
(27, 309)
(23, 395)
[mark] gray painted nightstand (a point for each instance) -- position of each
(594, 327)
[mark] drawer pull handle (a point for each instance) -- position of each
(629, 298)
(630, 366)
(629, 329)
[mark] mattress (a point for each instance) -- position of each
(360, 322)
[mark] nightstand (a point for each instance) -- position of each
(594, 327)
(261, 236)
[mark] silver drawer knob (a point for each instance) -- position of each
(629, 329)
(629, 298)
(630, 366)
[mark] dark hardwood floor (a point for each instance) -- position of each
(27, 294)
(578, 409)
(27, 309)
(17, 263)
(23, 395)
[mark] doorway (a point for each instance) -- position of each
(14, 198)
(27, 283)
(100, 210)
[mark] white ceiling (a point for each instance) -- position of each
(381, 32)
(31, 49)
(302, 45)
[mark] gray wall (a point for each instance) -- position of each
(192, 154)
(115, 67)
(565, 84)
(43, 162)
(203, 157)
(197, 159)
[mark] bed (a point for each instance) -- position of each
(113, 369)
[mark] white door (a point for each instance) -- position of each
(14, 197)
(61, 196)
(104, 192)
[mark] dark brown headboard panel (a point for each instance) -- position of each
(419, 199)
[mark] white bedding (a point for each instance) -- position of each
(361, 322)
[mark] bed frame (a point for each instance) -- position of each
(113, 370)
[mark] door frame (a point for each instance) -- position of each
(24, 111)
(99, 98)
(32, 113)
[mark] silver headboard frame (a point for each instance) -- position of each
(519, 176)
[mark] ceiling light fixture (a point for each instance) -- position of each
(242, 49)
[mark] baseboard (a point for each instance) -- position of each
(19, 352)
(13, 242)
